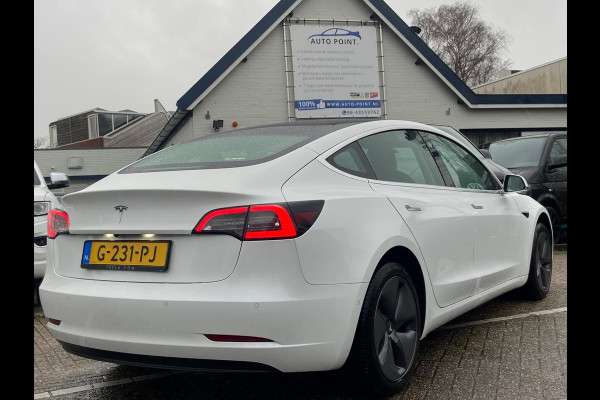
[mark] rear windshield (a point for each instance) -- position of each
(232, 149)
(518, 153)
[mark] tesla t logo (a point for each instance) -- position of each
(120, 209)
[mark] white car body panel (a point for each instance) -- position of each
(264, 297)
(188, 194)
(498, 235)
(441, 224)
(306, 293)
(351, 243)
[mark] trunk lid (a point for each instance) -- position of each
(167, 206)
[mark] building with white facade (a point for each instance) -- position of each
(350, 49)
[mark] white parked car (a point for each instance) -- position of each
(43, 201)
(291, 247)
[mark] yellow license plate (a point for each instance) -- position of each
(135, 255)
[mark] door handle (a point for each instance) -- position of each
(477, 207)
(410, 208)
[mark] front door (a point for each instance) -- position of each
(498, 224)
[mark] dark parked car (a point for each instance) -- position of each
(542, 161)
(483, 155)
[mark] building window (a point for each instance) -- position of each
(132, 117)
(109, 122)
(105, 124)
(93, 126)
(53, 136)
(119, 120)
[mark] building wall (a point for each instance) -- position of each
(545, 79)
(72, 129)
(97, 163)
(254, 93)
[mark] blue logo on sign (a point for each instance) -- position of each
(331, 32)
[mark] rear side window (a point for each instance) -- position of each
(401, 156)
(350, 160)
(232, 149)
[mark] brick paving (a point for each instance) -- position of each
(520, 358)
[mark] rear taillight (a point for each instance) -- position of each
(58, 222)
(230, 221)
(264, 221)
(269, 222)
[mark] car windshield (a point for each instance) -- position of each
(36, 178)
(459, 136)
(232, 149)
(518, 153)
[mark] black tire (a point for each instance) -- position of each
(386, 344)
(555, 220)
(540, 267)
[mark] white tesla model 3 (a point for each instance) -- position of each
(290, 247)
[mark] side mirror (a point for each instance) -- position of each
(486, 153)
(558, 162)
(58, 180)
(516, 183)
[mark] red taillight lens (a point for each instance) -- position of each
(269, 222)
(229, 221)
(58, 222)
(264, 221)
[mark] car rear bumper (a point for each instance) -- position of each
(39, 261)
(39, 268)
(311, 327)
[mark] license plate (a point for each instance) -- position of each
(135, 255)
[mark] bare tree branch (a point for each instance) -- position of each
(471, 47)
(41, 143)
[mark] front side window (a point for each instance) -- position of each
(465, 169)
(461, 138)
(559, 148)
(401, 156)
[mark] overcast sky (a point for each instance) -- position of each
(123, 54)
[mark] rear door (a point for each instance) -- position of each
(407, 174)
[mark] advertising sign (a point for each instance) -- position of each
(335, 71)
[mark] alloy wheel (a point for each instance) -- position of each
(395, 328)
(543, 260)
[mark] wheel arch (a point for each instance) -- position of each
(549, 200)
(407, 259)
(544, 219)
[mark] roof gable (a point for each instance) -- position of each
(384, 13)
(228, 61)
